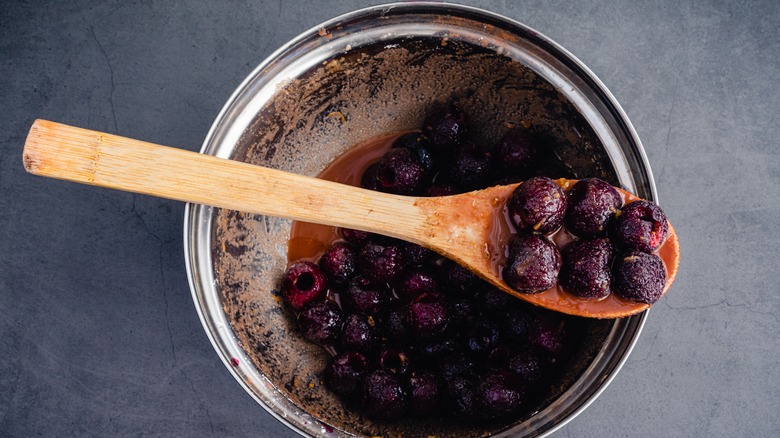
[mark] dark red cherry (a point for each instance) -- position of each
(303, 283)
(537, 206)
(321, 322)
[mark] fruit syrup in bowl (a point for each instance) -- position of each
(358, 77)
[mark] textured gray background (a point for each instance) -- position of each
(98, 334)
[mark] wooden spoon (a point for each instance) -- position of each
(465, 228)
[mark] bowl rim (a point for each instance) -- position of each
(193, 212)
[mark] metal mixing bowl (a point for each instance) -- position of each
(355, 77)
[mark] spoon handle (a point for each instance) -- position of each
(74, 154)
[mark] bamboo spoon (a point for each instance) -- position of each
(462, 227)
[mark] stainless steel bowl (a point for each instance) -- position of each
(357, 76)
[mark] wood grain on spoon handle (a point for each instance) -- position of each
(80, 155)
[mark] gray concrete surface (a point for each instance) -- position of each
(98, 334)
